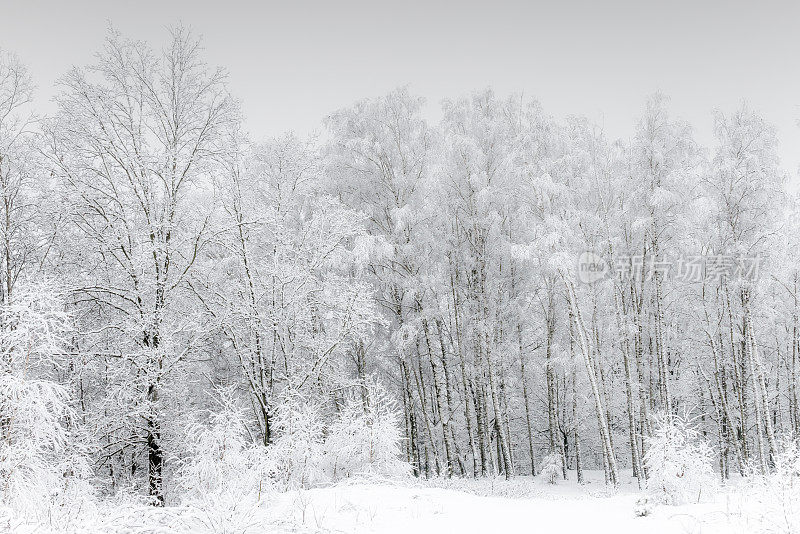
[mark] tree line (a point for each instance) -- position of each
(441, 260)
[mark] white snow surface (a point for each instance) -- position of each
(484, 506)
(523, 504)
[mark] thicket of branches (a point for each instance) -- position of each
(439, 260)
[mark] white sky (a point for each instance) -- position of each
(291, 63)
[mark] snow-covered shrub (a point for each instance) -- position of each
(223, 480)
(771, 503)
(43, 469)
(362, 438)
(311, 447)
(679, 462)
(295, 457)
(642, 507)
(365, 439)
(221, 459)
(550, 468)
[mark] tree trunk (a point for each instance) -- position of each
(636, 461)
(441, 400)
(525, 400)
(586, 350)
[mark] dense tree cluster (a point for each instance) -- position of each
(525, 291)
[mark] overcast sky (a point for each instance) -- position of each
(291, 63)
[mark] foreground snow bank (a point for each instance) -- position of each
(387, 509)
(465, 506)
(497, 505)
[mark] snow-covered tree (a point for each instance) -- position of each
(136, 140)
(42, 448)
(679, 462)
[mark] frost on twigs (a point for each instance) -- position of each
(678, 461)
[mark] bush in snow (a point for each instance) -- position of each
(678, 462)
(551, 468)
(295, 458)
(642, 507)
(221, 460)
(365, 438)
(223, 480)
(771, 503)
(312, 448)
(361, 439)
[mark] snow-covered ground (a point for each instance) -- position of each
(496, 505)
(439, 506)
